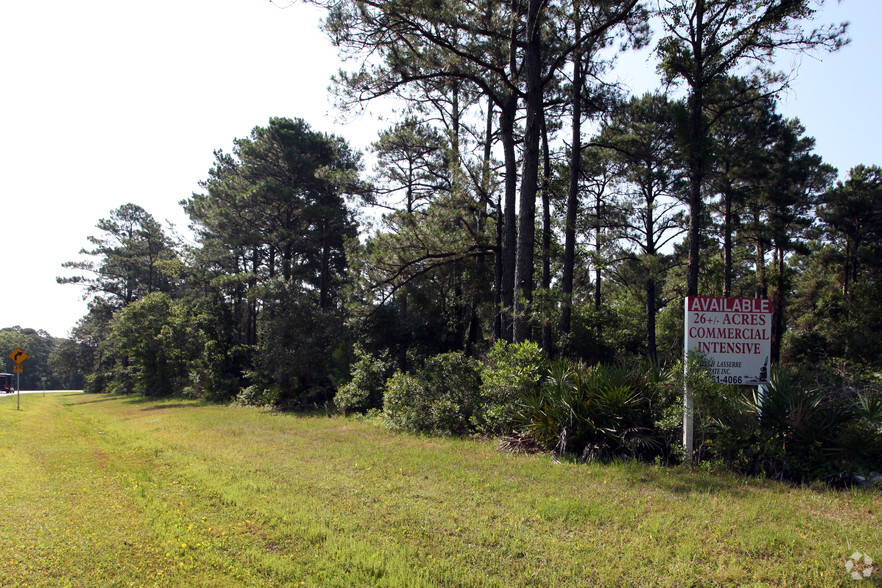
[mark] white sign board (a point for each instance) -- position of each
(733, 334)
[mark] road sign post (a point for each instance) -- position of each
(17, 357)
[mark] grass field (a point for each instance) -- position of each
(107, 491)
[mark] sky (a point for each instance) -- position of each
(105, 102)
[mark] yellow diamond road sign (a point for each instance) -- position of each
(18, 355)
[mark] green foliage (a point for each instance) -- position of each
(216, 369)
(97, 382)
(294, 356)
(509, 372)
(801, 428)
(405, 403)
(272, 224)
(254, 395)
(852, 215)
(860, 439)
(43, 359)
(441, 398)
(412, 166)
(131, 258)
(365, 390)
(863, 322)
(276, 207)
(455, 395)
(69, 360)
(725, 421)
(218, 373)
(826, 322)
(152, 343)
(596, 412)
(602, 335)
(819, 428)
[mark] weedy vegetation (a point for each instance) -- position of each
(119, 491)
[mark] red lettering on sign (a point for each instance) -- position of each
(736, 305)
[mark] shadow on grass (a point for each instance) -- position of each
(97, 400)
(682, 481)
(154, 403)
(179, 404)
(162, 403)
(685, 483)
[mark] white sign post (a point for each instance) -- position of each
(734, 335)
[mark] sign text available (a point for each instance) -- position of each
(734, 335)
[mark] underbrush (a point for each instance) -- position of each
(806, 425)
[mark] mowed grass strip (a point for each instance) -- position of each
(107, 491)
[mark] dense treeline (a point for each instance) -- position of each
(521, 197)
(51, 362)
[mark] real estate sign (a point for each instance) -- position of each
(734, 335)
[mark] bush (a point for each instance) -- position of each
(217, 374)
(859, 442)
(821, 429)
(96, 383)
(596, 412)
(801, 428)
(509, 373)
(404, 403)
(365, 390)
(440, 398)
(295, 354)
(254, 395)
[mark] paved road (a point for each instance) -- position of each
(40, 392)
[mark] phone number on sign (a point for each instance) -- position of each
(729, 379)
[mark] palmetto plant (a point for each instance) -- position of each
(593, 412)
(817, 431)
(859, 441)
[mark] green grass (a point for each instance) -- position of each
(107, 491)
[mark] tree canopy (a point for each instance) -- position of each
(519, 194)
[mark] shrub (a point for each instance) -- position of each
(440, 398)
(217, 374)
(509, 373)
(294, 356)
(725, 424)
(404, 403)
(365, 390)
(596, 412)
(801, 428)
(822, 429)
(97, 383)
(859, 442)
(254, 395)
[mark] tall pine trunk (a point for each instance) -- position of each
(547, 342)
(650, 278)
(569, 259)
(509, 233)
(696, 152)
(778, 298)
(598, 273)
(727, 245)
(507, 116)
(530, 177)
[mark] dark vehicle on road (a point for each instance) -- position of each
(7, 383)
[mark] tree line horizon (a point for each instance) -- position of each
(503, 219)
